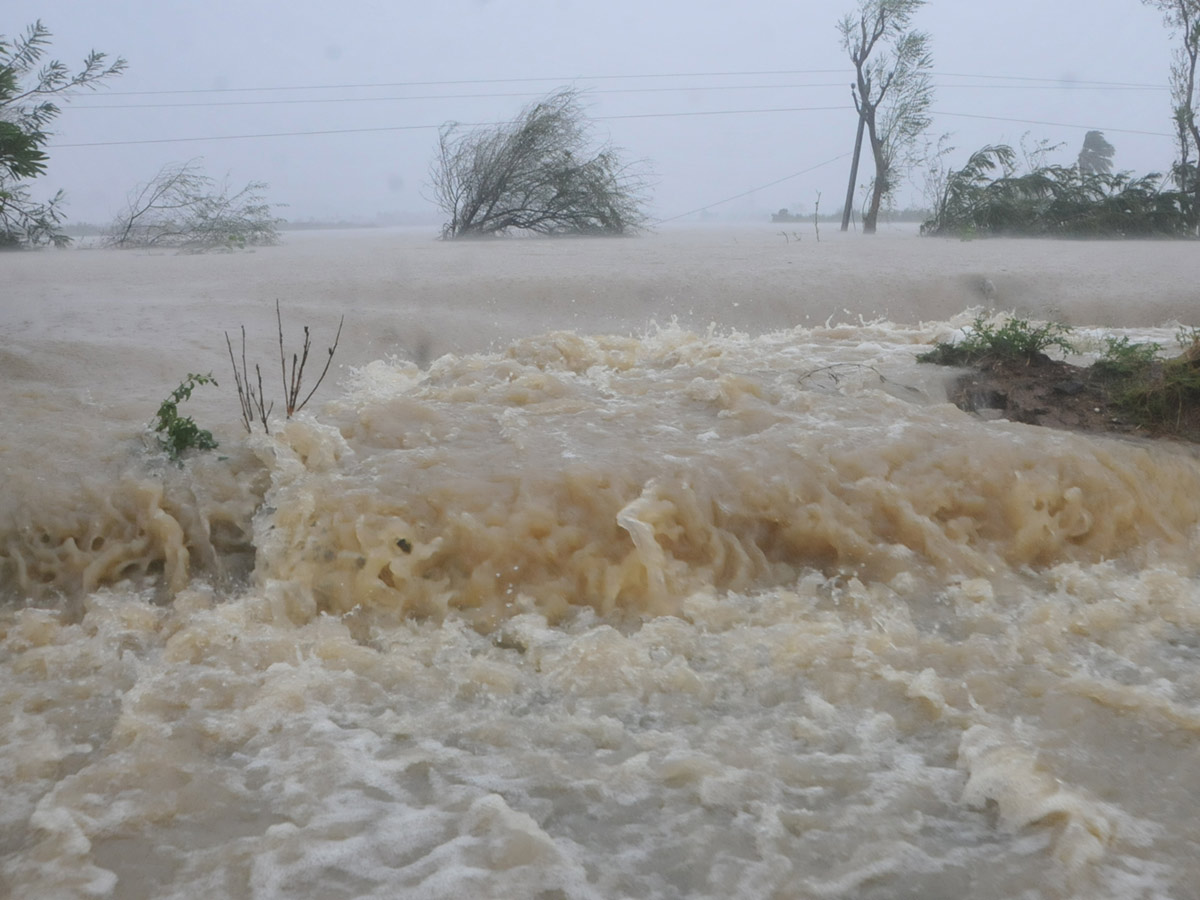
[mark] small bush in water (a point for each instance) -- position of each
(177, 433)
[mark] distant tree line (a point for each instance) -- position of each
(542, 173)
(989, 196)
(892, 96)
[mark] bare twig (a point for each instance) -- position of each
(252, 403)
(833, 370)
(292, 383)
(253, 399)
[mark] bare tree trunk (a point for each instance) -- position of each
(846, 211)
(880, 186)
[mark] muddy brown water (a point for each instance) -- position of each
(635, 568)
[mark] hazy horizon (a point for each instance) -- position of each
(740, 112)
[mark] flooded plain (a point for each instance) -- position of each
(653, 567)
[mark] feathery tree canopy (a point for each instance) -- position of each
(537, 173)
(28, 90)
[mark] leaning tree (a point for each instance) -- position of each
(184, 208)
(539, 173)
(892, 93)
(1096, 156)
(29, 88)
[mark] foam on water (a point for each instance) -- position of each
(691, 613)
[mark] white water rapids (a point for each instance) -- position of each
(635, 568)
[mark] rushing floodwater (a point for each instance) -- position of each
(651, 568)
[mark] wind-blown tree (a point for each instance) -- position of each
(537, 173)
(1182, 17)
(892, 93)
(182, 207)
(1096, 155)
(28, 90)
(988, 196)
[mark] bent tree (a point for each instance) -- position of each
(537, 173)
(892, 93)
(183, 207)
(28, 91)
(1096, 157)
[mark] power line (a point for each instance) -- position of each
(246, 137)
(1051, 124)
(761, 187)
(1052, 80)
(238, 137)
(559, 80)
(1049, 82)
(659, 115)
(651, 90)
(490, 95)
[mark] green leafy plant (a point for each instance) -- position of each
(31, 88)
(1165, 397)
(990, 196)
(176, 433)
(1123, 359)
(182, 207)
(1016, 340)
(540, 173)
(1187, 337)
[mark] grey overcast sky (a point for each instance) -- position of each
(721, 98)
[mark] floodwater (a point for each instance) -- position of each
(648, 568)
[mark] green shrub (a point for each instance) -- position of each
(1123, 359)
(989, 196)
(176, 433)
(1161, 395)
(1017, 340)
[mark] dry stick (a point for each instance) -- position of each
(247, 411)
(831, 371)
(328, 360)
(283, 361)
(246, 396)
(263, 413)
(291, 385)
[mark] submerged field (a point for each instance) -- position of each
(653, 567)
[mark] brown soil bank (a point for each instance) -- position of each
(1044, 391)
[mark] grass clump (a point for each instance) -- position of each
(1017, 340)
(1165, 395)
(178, 434)
(1125, 360)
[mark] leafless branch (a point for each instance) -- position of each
(250, 399)
(292, 382)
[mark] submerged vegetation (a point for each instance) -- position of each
(183, 208)
(250, 393)
(538, 173)
(177, 434)
(1131, 388)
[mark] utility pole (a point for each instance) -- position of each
(862, 123)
